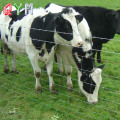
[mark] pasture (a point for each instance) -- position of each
(20, 101)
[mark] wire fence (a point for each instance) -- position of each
(21, 84)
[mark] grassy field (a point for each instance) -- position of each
(19, 101)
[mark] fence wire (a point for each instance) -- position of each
(6, 84)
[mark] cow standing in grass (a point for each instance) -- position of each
(37, 36)
(89, 77)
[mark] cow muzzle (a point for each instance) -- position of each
(92, 101)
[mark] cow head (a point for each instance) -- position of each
(115, 17)
(89, 77)
(89, 83)
(66, 28)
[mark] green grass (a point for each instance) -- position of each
(19, 101)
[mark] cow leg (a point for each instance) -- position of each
(50, 75)
(6, 67)
(68, 70)
(14, 70)
(49, 67)
(37, 71)
(98, 54)
(59, 60)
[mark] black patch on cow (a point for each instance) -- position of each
(42, 53)
(6, 36)
(79, 18)
(64, 29)
(88, 83)
(11, 31)
(18, 34)
(40, 32)
(16, 17)
(86, 64)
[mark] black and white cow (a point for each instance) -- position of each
(103, 23)
(89, 77)
(37, 36)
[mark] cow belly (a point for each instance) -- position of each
(16, 47)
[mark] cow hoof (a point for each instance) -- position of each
(70, 88)
(38, 89)
(15, 71)
(61, 71)
(6, 71)
(99, 61)
(53, 90)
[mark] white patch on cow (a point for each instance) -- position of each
(86, 46)
(84, 30)
(54, 8)
(39, 12)
(77, 57)
(96, 76)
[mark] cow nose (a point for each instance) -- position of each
(94, 102)
(80, 43)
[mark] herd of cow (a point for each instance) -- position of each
(70, 32)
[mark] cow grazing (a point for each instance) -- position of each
(37, 36)
(89, 77)
(103, 23)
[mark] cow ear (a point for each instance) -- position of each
(101, 66)
(79, 18)
(57, 21)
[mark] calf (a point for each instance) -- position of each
(37, 36)
(104, 23)
(89, 77)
